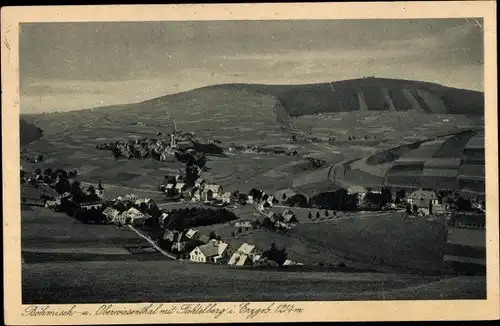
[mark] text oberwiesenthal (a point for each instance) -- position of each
(247, 309)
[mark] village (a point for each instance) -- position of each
(175, 231)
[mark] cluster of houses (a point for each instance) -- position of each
(284, 220)
(425, 203)
(32, 157)
(201, 191)
(142, 148)
(216, 251)
(132, 214)
(133, 208)
(257, 149)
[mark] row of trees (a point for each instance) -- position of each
(179, 219)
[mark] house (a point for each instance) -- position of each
(176, 238)
(263, 205)
(226, 197)
(192, 234)
(169, 235)
(360, 193)
(95, 205)
(224, 251)
(243, 224)
(120, 219)
(179, 243)
(197, 194)
(239, 259)
(180, 188)
(289, 262)
(211, 192)
(162, 219)
(426, 201)
(283, 225)
(139, 201)
(53, 203)
(249, 250)
(110, 213)
(131, 197)
(199, 183)
(273, 217)
(272, 200)
(204, 253)
(289, 217)
(134, 216)
(142, 220)
(170, 189)
(167, 156)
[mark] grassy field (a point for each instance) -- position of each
(173, 281)
(68, 262)
(385, 239)
(383, 242)
(47, 236)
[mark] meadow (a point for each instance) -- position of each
(385, 239)
(173, 281)
(47, 236)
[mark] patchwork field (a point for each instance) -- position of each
(446, 162)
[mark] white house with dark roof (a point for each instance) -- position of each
(289, 216)
(426, 201)
(180, 187)
(224, 251)
(192, 234)
(134, 215)
(110, 213)
(211, 192)
(249, 250)
(204, 253)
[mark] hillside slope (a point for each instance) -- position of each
(449, 162)
(372, 94)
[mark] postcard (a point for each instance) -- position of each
(250, 163)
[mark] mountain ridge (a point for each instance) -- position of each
(379, 94)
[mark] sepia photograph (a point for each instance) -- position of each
(251, 160)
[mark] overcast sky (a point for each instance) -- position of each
(67, 66)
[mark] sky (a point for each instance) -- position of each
(69, 66)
